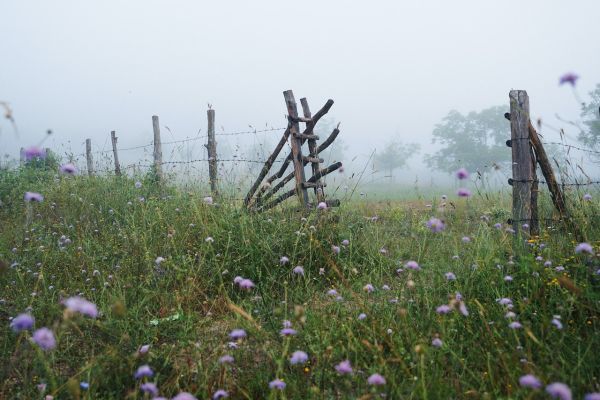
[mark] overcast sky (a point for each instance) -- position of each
(84, 68)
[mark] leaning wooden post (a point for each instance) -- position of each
(296, 141)
(88, 156)
(113, 139)
(157, 149)
(211, 146)
(313, 156)
(523, 165)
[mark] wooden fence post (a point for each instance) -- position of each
(313, 156)
(211, 146)
(523, 162)
(113, 139)
(157, 148)
(296, 140)
(88, 156)
(22, 156)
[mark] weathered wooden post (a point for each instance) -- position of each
(157, 149)
(313, 156)
(211, 146)
(523, 162)
(22, 156)
(113, 139)
(296, 141)
(88, 156)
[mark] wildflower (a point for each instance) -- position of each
(559, 390)
(463, 192)
(332, 292)
(209, 239)
(208, 200)
(450, 276)
(462, 307)
(592, 396)
(362, 316)
(345, 242)
(68, 169)
(515, 325)
(287, 324)
(435, 225)
(44, 338)
(548, 263)
(556, 322)
(584, 248)
(288, 332)
(237, 334)
(498, 225)
(150, 388)
(184, 396)
(510, 315)
(321, 271)
(525, 226)
(84, 385)
(159, 260)
(462, 173)
(34, 152)
(383, 250)
(443, 309)
(144, 349)
(385, 287)
(466, 239)
(22, 322)
(82, 306)
(412, 265)
(246, 284)
(376, 380)
(220, 394)
(560, 268)
(344, 367)
(322, 206)
(587, 197)
(335, 249)
(298, 357)
(530, 381)
(368, 288)
(226, 359)
(508, 278)
(138, 184)
(299, 270)
(143, 371)
(504, 301)
(33, 196)
(284, 260)
(277, 384)
(569, 78)
(437, 342)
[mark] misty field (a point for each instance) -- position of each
(128, 290)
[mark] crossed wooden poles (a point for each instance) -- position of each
(259, 197)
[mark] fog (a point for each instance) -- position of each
(394, 68)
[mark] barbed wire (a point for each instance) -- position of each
(511, 181)
(572, 147)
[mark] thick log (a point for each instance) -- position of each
(523, 166)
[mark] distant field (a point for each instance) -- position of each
(460, 313)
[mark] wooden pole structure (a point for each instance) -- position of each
(523, 165)
(157, 148)
(211, 146)
(88, 156)
(296, 141)
(313, 156)
(113, 139)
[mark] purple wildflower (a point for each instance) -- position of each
(450, 276)
(299, 270)
(22, 322)
(376, 380)
(443, 309)
(530, 381)
(344, 367)
(150, 388)
(345, 242)
(143, 371)
(584, 248)
(288, 332)
(504, 301)
(569, 78)
(463, 192)
(226, 359)
(277, 384)
(237, 334)
(466, 239)
(144, 349)
(335, 249)
(592, 396)
(44, 338)
(237, 280)
(220, 394)
(68, 169)
(462, 174)
(34, 152)
(435, 225)
(412, 265)
(81, 305)
(322, 206)
(246, 284)
(362, 316)
(515, 325)
(508, 278)
(332, 292)
(559, 390)
(437, 342)
(556, 322)
(33, 196)
(587, 197)
(208, 200)
(298, 357)
(462, 307)
(184, 396)
(284, 260)
(369, 288)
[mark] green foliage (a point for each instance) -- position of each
(476, 141)
(185, 306)
(395, 155)
(590, 114)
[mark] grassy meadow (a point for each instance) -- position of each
(383, 306)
